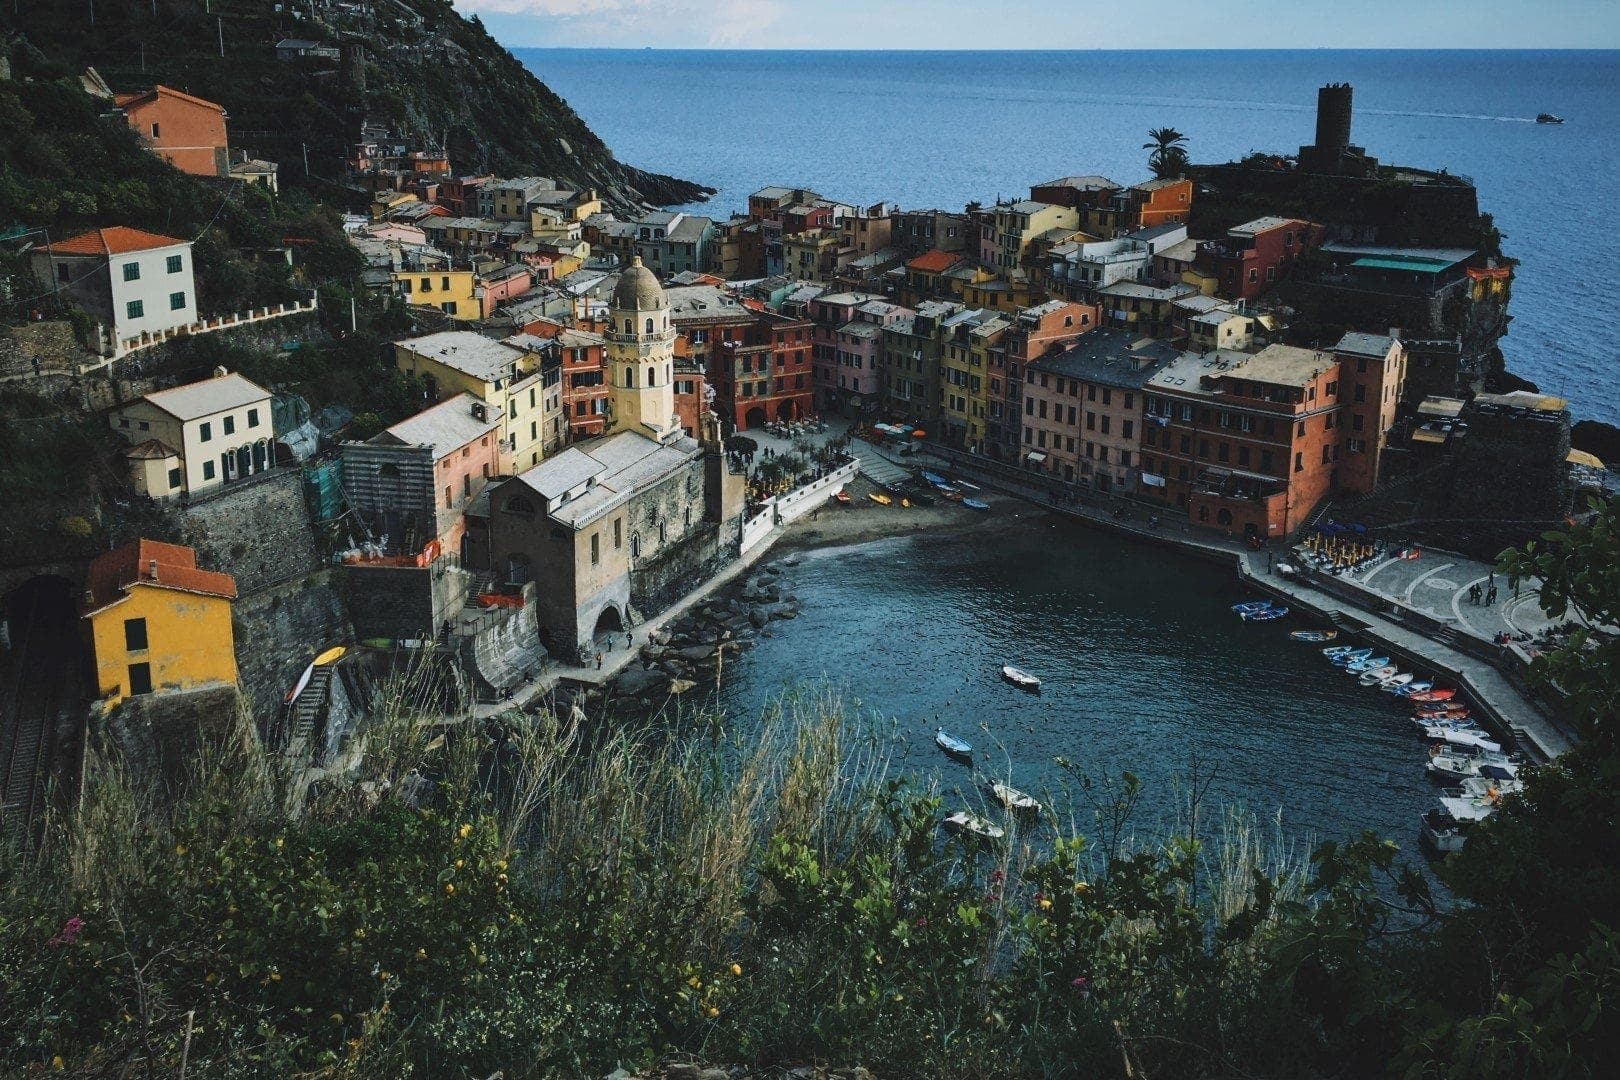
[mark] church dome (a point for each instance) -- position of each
(637, 290)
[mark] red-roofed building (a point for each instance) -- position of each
(187, 132)
(925, 275)
(137, 285)
(158, 623)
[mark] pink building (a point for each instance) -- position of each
(502, 285)
(836, 350)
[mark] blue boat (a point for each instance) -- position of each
(975, 504)
(1414, 688)
(1251, 605)
(953, 746)
(936, 479)
(1265, 614)
(1366, 664)
(1354, 656)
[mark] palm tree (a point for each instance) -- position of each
(1169, 157)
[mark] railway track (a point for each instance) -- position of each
(38, 675)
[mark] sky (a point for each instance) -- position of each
(1052, 24)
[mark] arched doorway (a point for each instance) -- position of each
(1223, 516)
(786, 410)
(608, 622)
(755, 417)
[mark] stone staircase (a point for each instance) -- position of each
(881, 471)
(306, 712)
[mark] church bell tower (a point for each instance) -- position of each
(641, 357)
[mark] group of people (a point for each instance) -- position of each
(1487, 595)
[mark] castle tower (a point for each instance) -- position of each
(641, 357)
(1333, 112)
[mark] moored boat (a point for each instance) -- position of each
(1414, 687)
(1376, 675)
(1455, 764)
(1354, 656)
(1466, 737)
(1020, 678)
(1460, 721)
(1313, 635)
(973, 825)
(1434, 695)
(1393, 684)
(1251, 605)
(1264, 614)
(1333, 652)
(1012, 799)
(953, 746)
(1367, 664)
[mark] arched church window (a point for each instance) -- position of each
(630, 377)
(635, 545)
(629, 326)
(517, 504)
(651, 379)
(649, 326)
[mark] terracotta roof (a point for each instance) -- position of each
(140, 97)
(117, 240)
(934, 262)
(112, 575)
(151, 449)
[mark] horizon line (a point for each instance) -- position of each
(1101, 49)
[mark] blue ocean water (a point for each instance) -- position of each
(944, 128)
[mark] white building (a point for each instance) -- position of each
(137, 285)
(198, 436)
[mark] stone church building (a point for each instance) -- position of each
(612, 530)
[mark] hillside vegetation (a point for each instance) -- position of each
(514, 898)
(437, 78)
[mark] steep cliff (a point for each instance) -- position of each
(418, 66)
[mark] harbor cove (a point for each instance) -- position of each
(724, 540)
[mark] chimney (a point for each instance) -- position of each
(151, 569)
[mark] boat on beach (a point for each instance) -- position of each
(1313, 635)
(1012, 799)
(973, 825)
(1020, 678)
(936, 479)
(880, 498)
(953, 746)
(976, 504)
(841, 497)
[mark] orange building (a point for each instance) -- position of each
(187, 132)
(1372, 379)
(1245, 444)
(1141, 206)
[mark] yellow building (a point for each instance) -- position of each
(505, 377)
(157, 623)
(966, 340)
(1017, 224)
(453, 292)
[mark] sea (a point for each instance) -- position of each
(941, 129)
(1145, 669)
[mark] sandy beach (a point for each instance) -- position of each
(835, 525)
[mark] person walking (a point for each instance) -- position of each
(1473, 593)
(598, 661)
(1490, 597)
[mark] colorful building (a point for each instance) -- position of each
(136, 285)
(505, 377)
(966, 338)
(413, 482)
(1254, 256)
(1084, 408)
(1247, 444)
(454, 292)
(1013, 227)
(187, 132)
(1141, 206)
(196, 437)
(1372, 380)
(157, 623)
